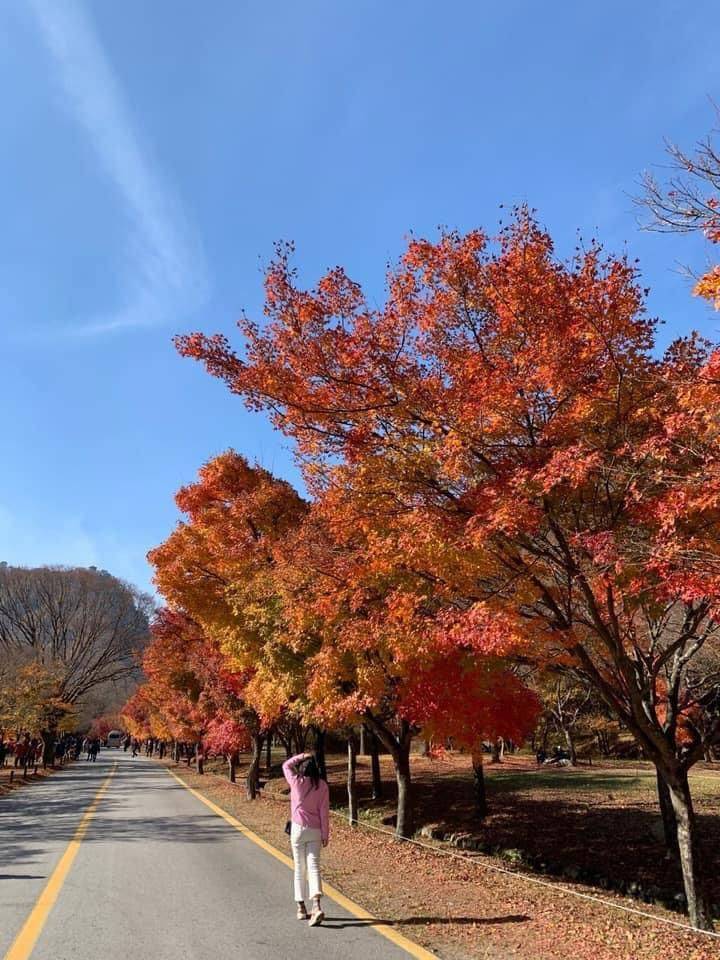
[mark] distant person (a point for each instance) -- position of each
(310, 829)
(94, 749)
(22, 748)
(135, 746)
(126, 743)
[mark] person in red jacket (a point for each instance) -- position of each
(310, 816)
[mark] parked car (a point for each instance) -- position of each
(114, 738)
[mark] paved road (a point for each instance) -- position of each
(157, 876)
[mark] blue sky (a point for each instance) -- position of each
(152, 154)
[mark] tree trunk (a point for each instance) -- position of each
(320, 752)
(399, 747)
(498, 749)
(404, 827)
(668, 817)
(690, 860)
(480, 796)
(232, 767)
(377, 789)
(200, 758)
(268, 752)
(300, 739)
(48, 741)
(362, 749)
(352, 780)
(251, 779)
(286, 742)
(569, 740)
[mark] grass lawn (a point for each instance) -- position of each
(518, 774)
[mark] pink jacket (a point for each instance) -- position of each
(309, 807)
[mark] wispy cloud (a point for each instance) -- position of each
(165, 269)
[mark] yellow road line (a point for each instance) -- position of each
(33, 926)
(412, 949)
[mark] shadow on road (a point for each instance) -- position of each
(22, 876)
(339, 923)
(51, 812)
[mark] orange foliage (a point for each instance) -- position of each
(497, 450)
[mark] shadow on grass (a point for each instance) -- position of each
(500, 782)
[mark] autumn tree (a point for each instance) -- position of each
(30, 701)
(689, 202)
(232, 725)
(190, 694)
(470, 700)
(503, 419)
(218, 567)
(142, 717)
(379, 650)
(102, 725)
(566, 702)
(107, 699)
(175, 664)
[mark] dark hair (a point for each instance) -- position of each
(309, 768)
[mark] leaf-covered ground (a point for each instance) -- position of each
(11, 779)
(464, 909)
(600, 823)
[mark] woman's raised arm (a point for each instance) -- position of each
(289, 768)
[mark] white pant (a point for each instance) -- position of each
(306, 844)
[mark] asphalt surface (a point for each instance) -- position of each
(157, 876)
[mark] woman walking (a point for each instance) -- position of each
(310, 829)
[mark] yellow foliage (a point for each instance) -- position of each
(29, 700)
(708, 287)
